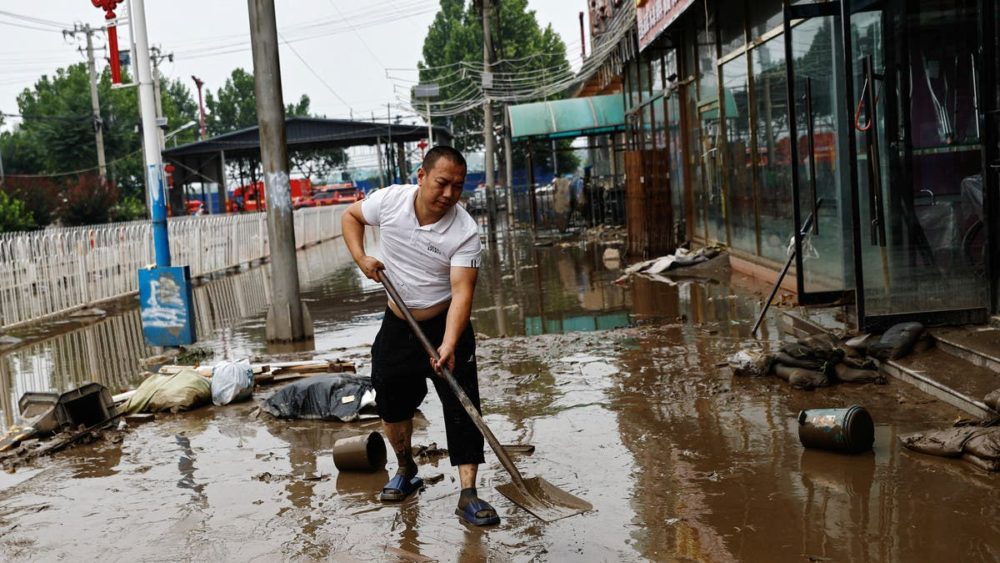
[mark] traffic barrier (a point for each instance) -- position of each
(56, 271)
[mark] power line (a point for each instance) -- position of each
(313, 71)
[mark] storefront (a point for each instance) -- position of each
(888, 148)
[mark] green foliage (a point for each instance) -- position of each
(56, 137)
(130, 207)
(521, 46)
(14, 215)
(41, 196)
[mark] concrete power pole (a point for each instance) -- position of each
(488, 123)
(201, 108)
(95, 103)
(288, 318)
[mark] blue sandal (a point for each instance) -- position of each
(399, 487)
(472, 513)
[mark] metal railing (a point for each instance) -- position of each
(56, 271)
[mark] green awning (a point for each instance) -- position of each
(562, 119)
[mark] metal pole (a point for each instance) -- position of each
(156, 196)
(381, 170)
(287, 319)
(488, 125)
(156, 95)
(388, 147)
(95, 105)
(430, 127)
(508, 152)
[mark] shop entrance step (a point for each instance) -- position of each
(949, 378)
(978, 345)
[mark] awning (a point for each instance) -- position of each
(563, 119)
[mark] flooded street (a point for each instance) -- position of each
(621, 389)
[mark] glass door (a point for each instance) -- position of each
(918, 162)
(816, 151)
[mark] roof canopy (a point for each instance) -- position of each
(561, 119)
(304, 133)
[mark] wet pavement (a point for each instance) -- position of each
(619, 388)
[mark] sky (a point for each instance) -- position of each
(339, 51)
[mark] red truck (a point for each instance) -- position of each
(244, 198)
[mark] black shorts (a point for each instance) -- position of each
(401, 367)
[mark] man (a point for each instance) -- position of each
(431, 250)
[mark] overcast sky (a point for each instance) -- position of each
(344, 47)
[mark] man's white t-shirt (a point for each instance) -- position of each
(418, 257)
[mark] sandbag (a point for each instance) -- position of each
(897, 342)
(327, 397)
(801, 378)
(985, 444)
(850, 374)
(948, 442)
(993, 399)
(181, 391)
(232, 382)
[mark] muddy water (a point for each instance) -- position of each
(680, 460)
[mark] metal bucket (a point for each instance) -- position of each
(844, 430)
(360, 453)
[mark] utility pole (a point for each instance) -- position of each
(288, 318)
(164, 290)
(488, 123)
(201, 107)
(95, 104)
(388, 147)
(508, 152)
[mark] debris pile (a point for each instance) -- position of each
(977, 443)
(704, 262)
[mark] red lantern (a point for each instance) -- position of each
(109, 14)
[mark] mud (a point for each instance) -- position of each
(619, 389)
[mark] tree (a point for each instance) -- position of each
(56, 134)
(14, 216)
(525, 54)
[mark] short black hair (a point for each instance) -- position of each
(443, 151)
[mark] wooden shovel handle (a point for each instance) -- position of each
(455, 388)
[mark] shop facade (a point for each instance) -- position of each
(874, 123)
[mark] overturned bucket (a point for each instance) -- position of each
(845, 430)
(360, 453)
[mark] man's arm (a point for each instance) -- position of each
(463, 285)
(352, 226)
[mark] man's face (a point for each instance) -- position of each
(441, 188)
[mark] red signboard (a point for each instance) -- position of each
(653, 16)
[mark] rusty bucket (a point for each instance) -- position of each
(360, 453)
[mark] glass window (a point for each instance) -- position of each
(676, 156)
(764, 16)
(656, 75)
(731, 24)
(773, 144)
(737, 160)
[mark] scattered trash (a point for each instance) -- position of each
(848, 429)
(360, 453)
(330, 397)
(681, 258)
(45, 413)
(184, 390)
(232, 382)
(978, 444)
(140, 418)
(749, 363)
(429, 453)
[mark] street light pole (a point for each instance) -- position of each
(164, 291)
(488, 137)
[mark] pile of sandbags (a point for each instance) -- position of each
(816, 361)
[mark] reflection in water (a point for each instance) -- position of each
(109, 350)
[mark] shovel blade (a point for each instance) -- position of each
(544, 500)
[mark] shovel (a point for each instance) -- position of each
(536, 495)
